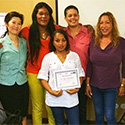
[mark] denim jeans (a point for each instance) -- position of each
(71, 113)
(104, 104)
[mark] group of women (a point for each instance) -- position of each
(30, 57)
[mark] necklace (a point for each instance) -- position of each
(44, 35)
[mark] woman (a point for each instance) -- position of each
(66, 99)
(103, 78)
(79, 39)
(38, 38)
(14, 91)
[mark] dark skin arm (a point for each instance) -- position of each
(88, 88)
(121, 91)
(1, 45)
(48, 88)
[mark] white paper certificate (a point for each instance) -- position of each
(67, 79)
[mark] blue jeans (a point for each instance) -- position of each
(71, 113)
(104, 104)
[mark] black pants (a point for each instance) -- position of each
(15, 98)
(82, 104)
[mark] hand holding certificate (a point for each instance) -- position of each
(67, 79)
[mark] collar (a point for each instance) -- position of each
(83, 29)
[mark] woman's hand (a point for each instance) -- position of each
(121, 91)
(57, 93)
(72, 91)
(88, 91)
(46, 85)
(1, 45)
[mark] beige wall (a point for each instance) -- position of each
(25, 7)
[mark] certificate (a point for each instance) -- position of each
(67, 79)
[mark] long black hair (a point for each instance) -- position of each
(34, 33)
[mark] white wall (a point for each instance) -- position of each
(2, 26)
(90, 10)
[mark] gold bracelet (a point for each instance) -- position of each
(87, 84)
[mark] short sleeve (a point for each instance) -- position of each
(79, 66)
(25, 32)
(44, 71)
(56, 27)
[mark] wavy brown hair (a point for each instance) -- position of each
(115, 31)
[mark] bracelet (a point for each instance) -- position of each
(87, 84)
(122, 85)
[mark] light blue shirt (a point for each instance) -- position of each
(12, 62)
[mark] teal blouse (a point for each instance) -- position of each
(12, 62)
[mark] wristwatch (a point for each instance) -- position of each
(123, 85)
(87, 84)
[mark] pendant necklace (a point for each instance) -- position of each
(44, 35)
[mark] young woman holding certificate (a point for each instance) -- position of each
(61, 59)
